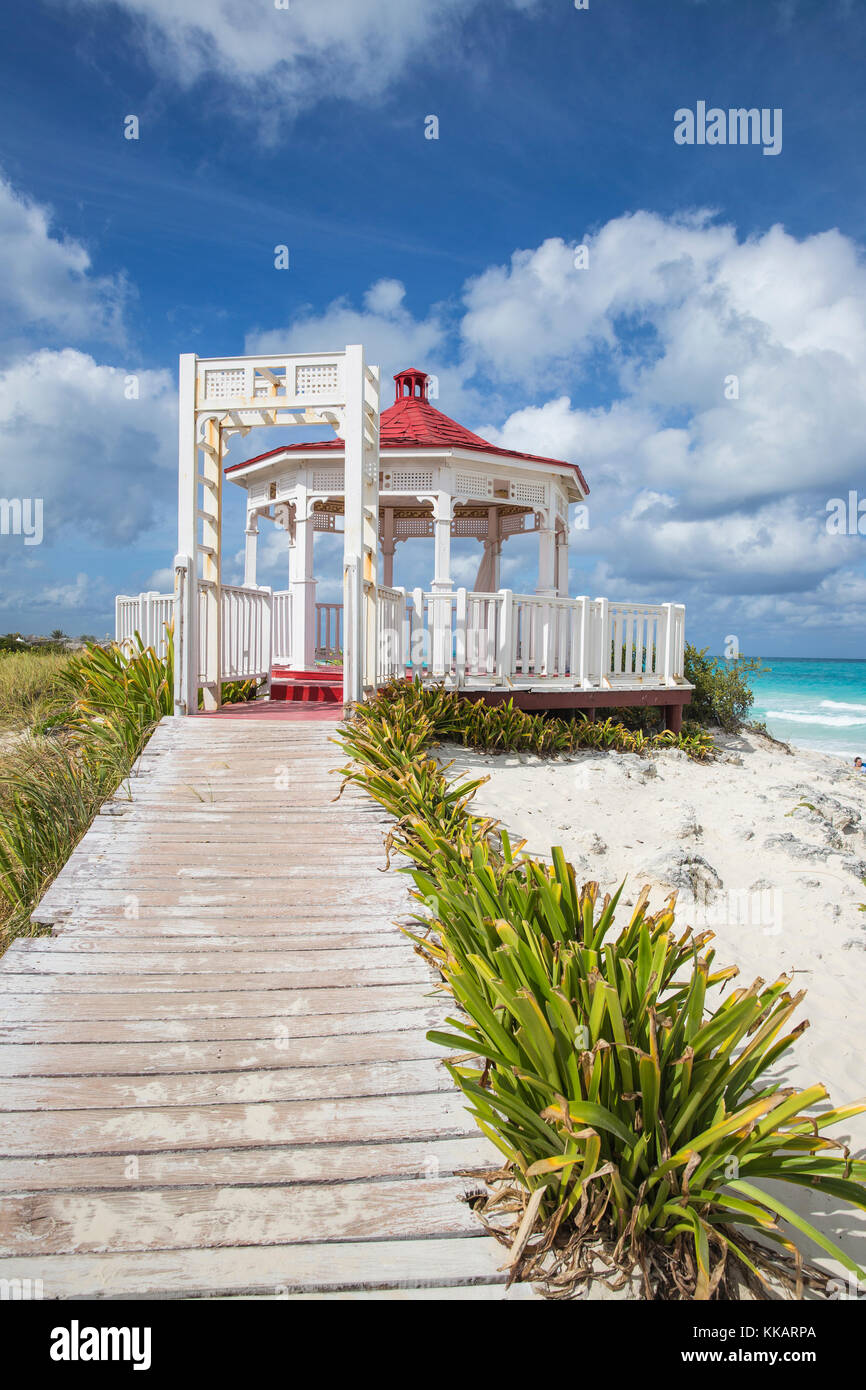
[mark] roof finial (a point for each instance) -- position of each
(411, 385)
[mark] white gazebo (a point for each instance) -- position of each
(436, 479)
(408, 472)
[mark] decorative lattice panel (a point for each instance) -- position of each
(324, 521)
(528, 492)
(328, 480)
(222, 385)
(508, 525)
(407, 480)
(405, 526)
(473, 485)
(321, 379)
(469, 526)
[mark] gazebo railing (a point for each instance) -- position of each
(469, 638)
(501, 637)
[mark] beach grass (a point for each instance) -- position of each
(90, 715)
(30, 683)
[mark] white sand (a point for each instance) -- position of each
(779, 886)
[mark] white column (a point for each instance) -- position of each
(546, 559)
(302, 586)
(562, 563)
(186, 565)
(442, 514)
(251, 537)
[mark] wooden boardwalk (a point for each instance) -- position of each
(214, 1077)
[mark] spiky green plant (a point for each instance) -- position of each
(106, 702)
(628, 1102)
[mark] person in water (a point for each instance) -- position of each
(858, 765)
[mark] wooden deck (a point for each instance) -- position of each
(214, 1078)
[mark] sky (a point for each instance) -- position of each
(703, 358)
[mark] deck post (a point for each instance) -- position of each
(361, 537)
(505, 655)
(302, 585)
(186, 656)
(417, 653)
(460, 653)
(251, 537)
(604, 635)
(667, 643)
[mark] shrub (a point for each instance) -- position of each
(504, 728)
(626, 1105)
(722, 692)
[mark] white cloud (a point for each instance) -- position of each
(46, 281)
(105, 466)
(309, 51)
(719, 501)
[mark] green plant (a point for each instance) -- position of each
(630, 1104)
(29, 684)
(722, 694)
(505, 728)
(103, 706)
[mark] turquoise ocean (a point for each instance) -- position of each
(814, 704)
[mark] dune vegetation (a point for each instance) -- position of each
(631, 1089)
(78, 723)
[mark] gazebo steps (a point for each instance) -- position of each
(316, 687)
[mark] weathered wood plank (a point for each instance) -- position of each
(437, 1115)
(374, 1078)
(254, 1167)
(197, 952)
(217, 1029)
(265, 1270)
(156, 1059)
(50, 984)
(274, 1003)
(176, 1219)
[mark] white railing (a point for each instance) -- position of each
(145, 614)
(246, 627)
(329, 629)
(469, 638)
(281, 629)
(245, 648)
(498, 638)
(391, 610)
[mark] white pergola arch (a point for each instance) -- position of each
(222, 396)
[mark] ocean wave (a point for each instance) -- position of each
(842, 704)
(829, 721)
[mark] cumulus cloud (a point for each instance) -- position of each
(46, 280)
(103, 464)
(308, 50)
(737, 370)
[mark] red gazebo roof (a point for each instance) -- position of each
(412, 422)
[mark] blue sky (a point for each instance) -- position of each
(304, 126)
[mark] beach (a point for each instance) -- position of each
(765, 846)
